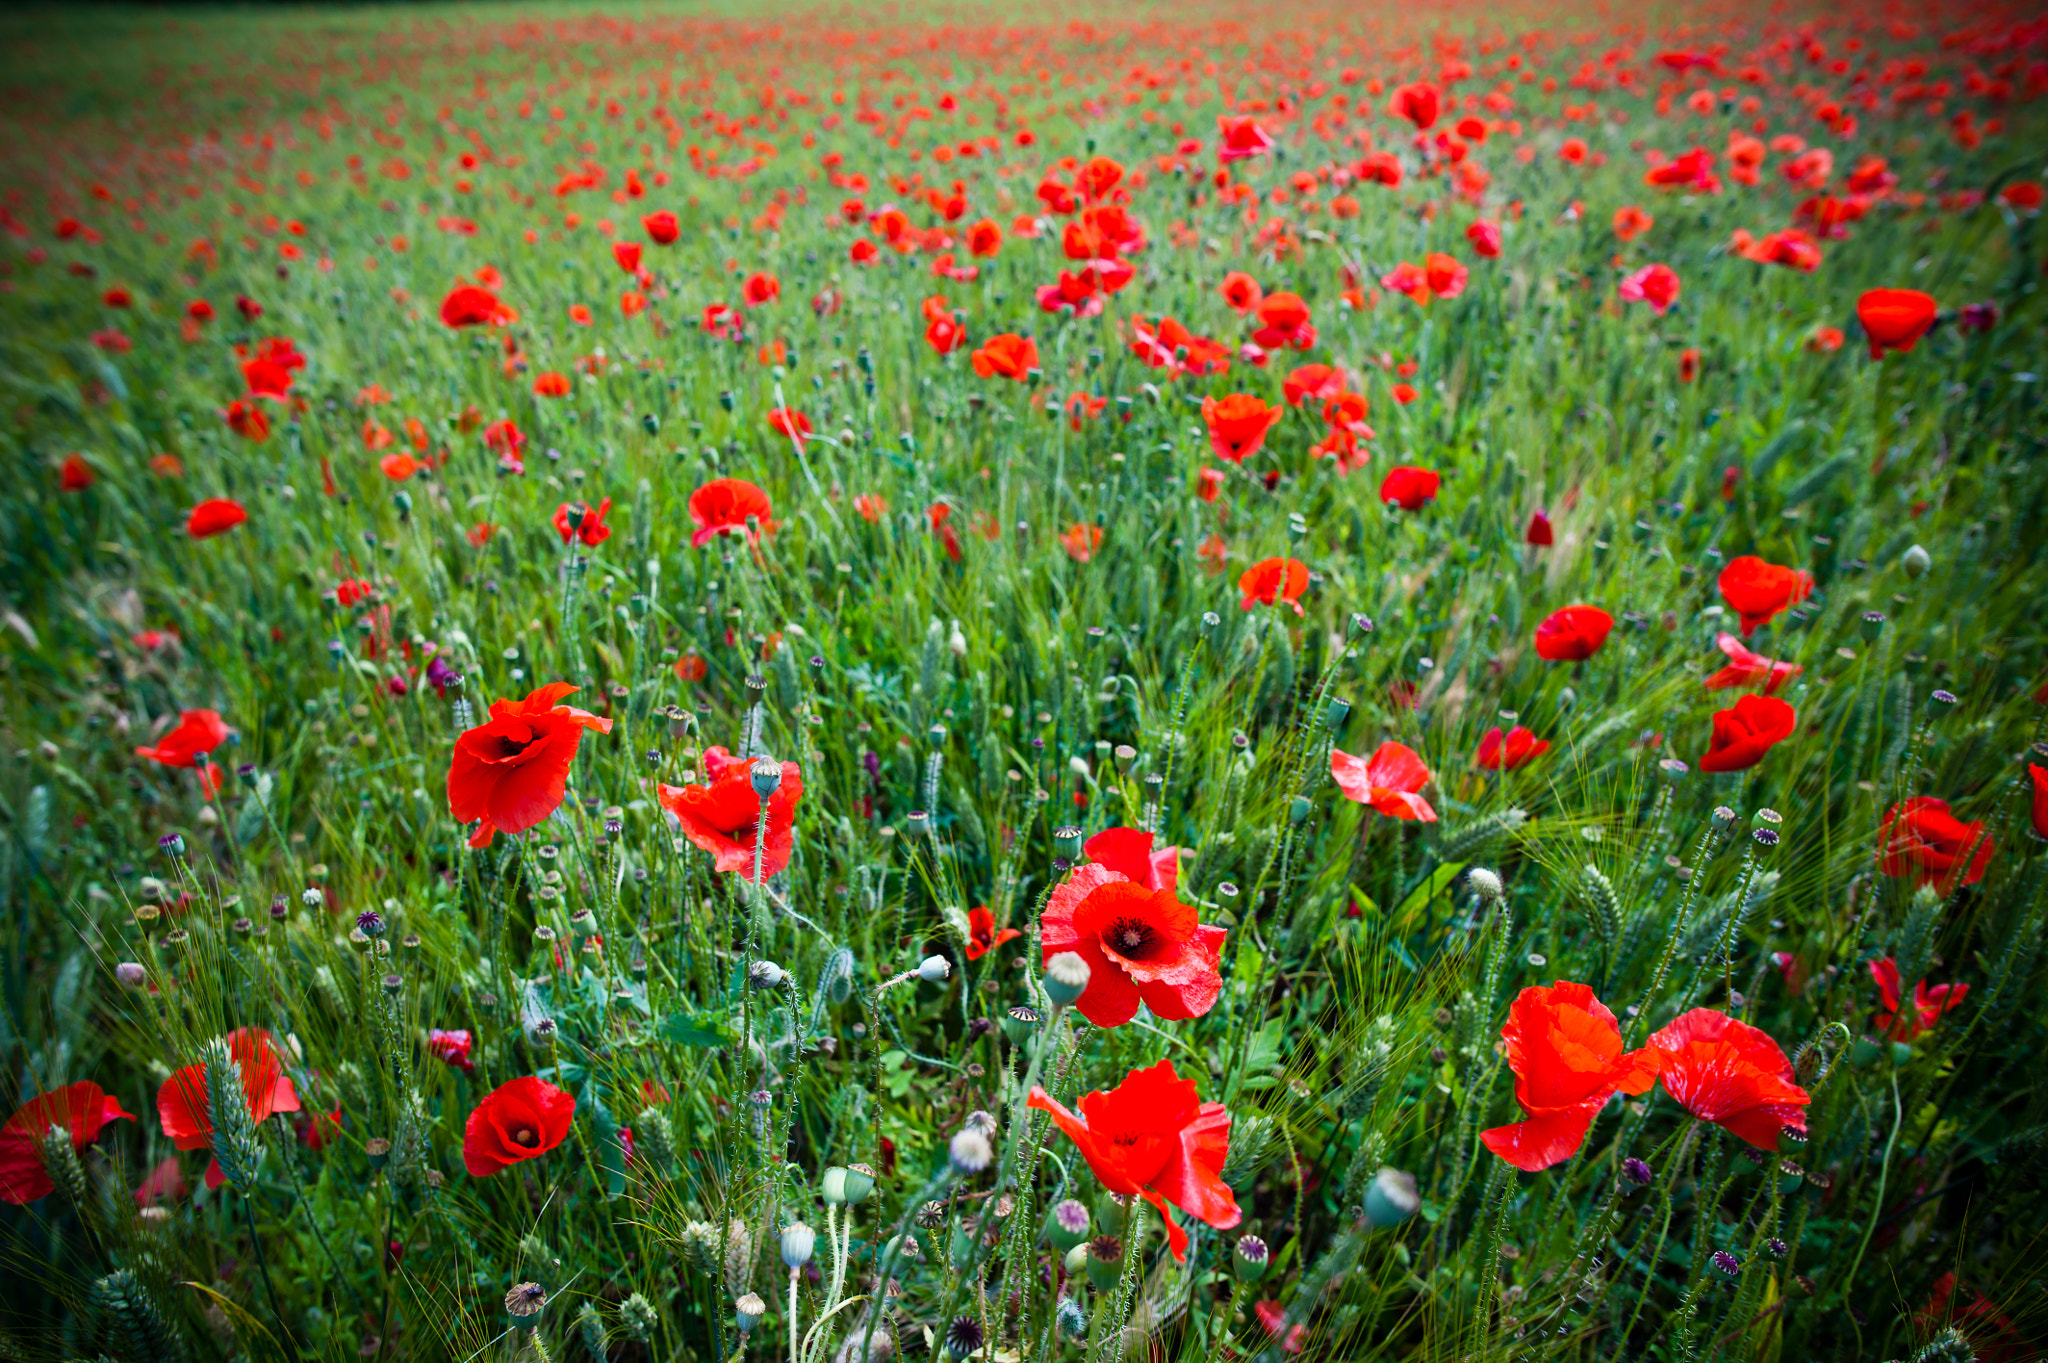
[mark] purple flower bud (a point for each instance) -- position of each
(1637, 1172)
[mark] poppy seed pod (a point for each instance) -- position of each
(1105, 1262)
(523, 1304)
(1019, 1023)
(849, 1186)
(1391, 1199)
(765, 975)
(1066, 1225)
(1066, 978)
(1251, 1259)
(747, 1310)
(796, 1243)
(1873, 625)
(1066, 842)
(765, 776)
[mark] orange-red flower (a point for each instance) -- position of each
(1573, 634)
(1895, 319)
(724, 505)
(1758, 590)
(1081, 541)
(724, 816)
(1391, 780)
(550, 384)
(1006, 356)
(1747, 668)
(181, 1102)
(1922, 839)
(1631, 222)
(1517, 748)
(79, 1110)
(1320, 382)
(1656, 285)
(1565, 1050)
(1172, 347)
(1241, 291)
(1408, 487)
(512, 771)
(1274, 580)
(789, 423)
(1929, 1002)
(1727, 1072)
(1240, 138)
(1120, 913)
(983, 935)
(75, 475)
(985, 238)
(467, 305)
(2039, 774)
(661, 227)
(1284, 321)
(760, 289)
(1152, 1137)
(199, 733)
(1238, 425)
(247, 419)
(1744, 733)
(1419, 103)
(590, 528)
(521, 1119)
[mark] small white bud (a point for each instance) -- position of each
(934, 969)
(1486, 884)
(970, 1151)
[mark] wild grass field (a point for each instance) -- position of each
(1030, 684)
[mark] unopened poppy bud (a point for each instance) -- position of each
(1673, 769)
(934, 969)
(174, 843)
(1251, 1259)
(1066, 978)
(1066, 1225)
(1916, 561)
(1391, 1199)
(747, 1310)
(1298, 809)
(848, 1186)
(970, 1151)
(765, 776)
(131, 975)
(1485, 883)
(1066, 841)
(1073, 1320)
(1727, 1262)
(764, 975)
(1637, 1172)
(1944, 703)
(1075, 1261)
(796, 1243)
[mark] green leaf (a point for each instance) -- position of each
(691, 1029)
(1433, 884)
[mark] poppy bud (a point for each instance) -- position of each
(175, 844)
(1944, 703)
(796, 1244)
(1251, 1259)
(1066, 1225)
(1484, 883)
(1637, 1172)
(131, 975)
(1298, 809)
(1075, 1261)
(1391, 1199)
(1210, 619)
(1066, 978)
(1113, 1211)
(1916, 561)
(934, 969)
(1336, 713)
(765, 776)
(1066, 842)
(849, 1186)
(765, 975)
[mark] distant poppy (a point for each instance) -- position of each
(724, 505)
(1747, 668)
(1152, 1137)
(590, 527)
(983, 935)
(198, 734)
(452, 1049)
(661, 227)
(1274, 580)
(78, 1110)
(1573, 634)
(760, 289)
(468, 305)
(1172, 347)
(723, 815)
(627, 255)
(511, 771)
(1420, 103)
(1631, 222)
(1758, 590)
(1745, 732)
(2040, 810)
(1518, 748)
(185, 1108)
(550, 384)
(1656, 285)
(1445, 274)
(75, 475)
(1895, 319)
(872, 507)
(1484, 235)
(1539, 531)
(1241, 138)
(519, 1120)
(1408, 487)
(1929, 1002)
(1283, 322)
(984, 239)
(1241, 291)
(1920, 838)
(789, 423)
(1312, 382)
(1391, 780)
(1688, 364)
(248, 420)
(1006, 356)
(1238, 425)
(216, 516)
(399, 467)
(1724, 1071)
(1208, 484)
(1565, 1050)
(1081, 541)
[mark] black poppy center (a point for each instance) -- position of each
(1132, 938)
(525, 1136)
(505, 746)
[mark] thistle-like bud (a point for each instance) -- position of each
(1486, 884)
(1391, 1198)
(796, 1243)
(766, 975)
(1066, 978)
(590, 1330)
(1603, 906)
(1073, 1320)
(1251, 1259)
(236, 1146)
(654, 1140)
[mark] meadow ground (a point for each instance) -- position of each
(1030, 684)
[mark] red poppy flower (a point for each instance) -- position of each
(1408, 487)
(1419, 103)
(1152, 1137)
(512, 771)
(1743, 734)
(723, 506)
(1727, 1072)
(1446, 275)
(1484, 235)
(1565, 1050)
(452, 1049)
(1747, 668)
(1758, 590)
(181, 1102)
(248, 420)
(1274, 580)
(1631, 222)
(662, 227)
(1241, 291)
(1238, 425)
(1656, 285)
(1120, 913)
(199, 732)
(1895, 319)
(79, 1110)
(1518, 748)
(1921, 838)
(468, 305)
(504, 439)
(591, 529)
(1006, 356)
(1172, 347)
(1240, 138)
(1573, 634)
(1319, 382)
(1539, 531)
(1391, 781)
(1929, 1003)
(627, 254)
(1081, 541)
(1284, 321)
(2040, 775)
(759, 289)
(75, 475)
(984, 239)
(551, 385)
(982, 934)
(519, 1120)
(724, 816)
